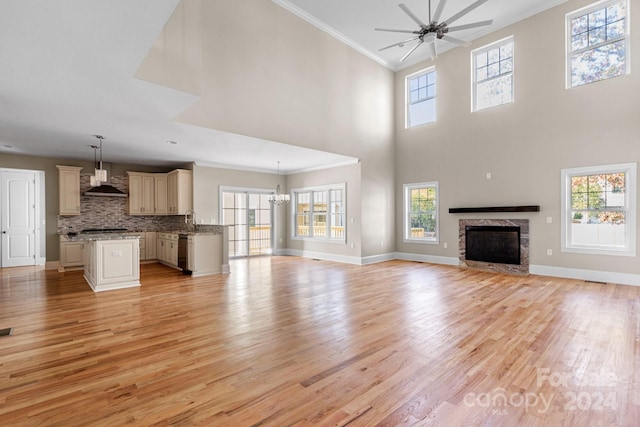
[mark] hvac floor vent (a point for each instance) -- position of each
(6, 332)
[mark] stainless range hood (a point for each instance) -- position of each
(105, 190)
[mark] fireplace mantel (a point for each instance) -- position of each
(489, 209)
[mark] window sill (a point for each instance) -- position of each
(422, 241)
(319, 240)
(599, 251)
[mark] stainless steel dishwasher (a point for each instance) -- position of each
(183, 253)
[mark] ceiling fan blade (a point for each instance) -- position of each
(436, 15)
(432, 49)
(411, 51)
(455, 40)
(464, 11)
(411, 15)
(400, 43)
(397, 31)
(468, 26)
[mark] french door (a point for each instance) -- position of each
(249, 216)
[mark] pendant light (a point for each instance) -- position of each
(94, 182)
(100, 174)
(278, 198)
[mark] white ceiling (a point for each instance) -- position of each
(353, 21)
(67, 67)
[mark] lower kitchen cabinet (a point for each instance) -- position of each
(151, 250)
(112, 264)
(204, 254)
(148, 249)
(71, 253)
(167, 248)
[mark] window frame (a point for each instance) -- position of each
(629, 249)
(406, 207)
(474, 77)
(328, 213)
(602, 4)
(407, 94)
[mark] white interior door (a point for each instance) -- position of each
(18, 218)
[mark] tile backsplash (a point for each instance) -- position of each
(111, 212)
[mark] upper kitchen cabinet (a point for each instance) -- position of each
(160, 186)
(142, 192)
(179, 191)
(69, 189)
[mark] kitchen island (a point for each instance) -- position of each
(112, 261)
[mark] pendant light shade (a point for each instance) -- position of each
(100, 175)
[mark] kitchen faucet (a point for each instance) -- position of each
(190, 217)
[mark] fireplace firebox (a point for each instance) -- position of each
(505, 248)
(492, 243)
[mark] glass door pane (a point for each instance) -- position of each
(248, 216)
(259, 224)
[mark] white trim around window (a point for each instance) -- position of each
(595, 36)
(319, 213)
(421, 222)
(420, 97)
(492, 68)
(599, 210)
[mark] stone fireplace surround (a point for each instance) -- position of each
(521, 269)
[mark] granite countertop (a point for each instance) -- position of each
(100, 236)
(200, 229)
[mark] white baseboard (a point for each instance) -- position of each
(323, 256)
(427, 258)
(377, 258)
(541, 270)
(581, 274)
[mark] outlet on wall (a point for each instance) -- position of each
(549, 252)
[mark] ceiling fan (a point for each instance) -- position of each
(434, 29)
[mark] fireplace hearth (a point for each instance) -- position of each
(499, 245)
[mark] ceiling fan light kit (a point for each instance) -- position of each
(435, 29)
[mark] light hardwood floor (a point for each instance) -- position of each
(292, 341)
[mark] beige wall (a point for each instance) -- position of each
(268, 74)
(523, 145)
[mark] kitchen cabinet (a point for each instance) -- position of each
(142, 245)
(204, 254)
(160, 193)
(150, 238)
(71, 253)
(112, 263)
(69, 190)
(141, 193)
(147, 193)
(179, 191)
(167, 249)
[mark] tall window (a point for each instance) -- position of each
(320, 213)
(421, 98)
(421, 212)
(597, 39)
(599, 207)
(492, 76)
